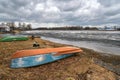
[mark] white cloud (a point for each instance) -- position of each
(89, 8)
(40, 7)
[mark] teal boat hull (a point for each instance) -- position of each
(36, 60)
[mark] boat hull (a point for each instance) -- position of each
(13, 38)
(36, 60)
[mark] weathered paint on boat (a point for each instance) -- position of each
(36, 60)
(34, 57)
(13, 38)
(31, 52)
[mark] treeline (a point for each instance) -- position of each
(13, 26)
(68, 28)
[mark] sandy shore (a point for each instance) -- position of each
(88, 65)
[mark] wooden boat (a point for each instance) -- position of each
(35, 57)
(13, 38)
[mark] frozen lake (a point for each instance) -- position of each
(102, 41)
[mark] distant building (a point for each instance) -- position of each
(4, 28)
(110, 28)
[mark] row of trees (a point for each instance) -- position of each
(79, 28)
(23, 26)
(20, 26)
(68, 28)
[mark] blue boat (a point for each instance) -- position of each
(21, 59)
(36, 60)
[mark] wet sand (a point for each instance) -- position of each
(88, 65)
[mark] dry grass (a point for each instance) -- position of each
(78, 67)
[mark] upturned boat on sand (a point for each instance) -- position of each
(35, 57)
(13, 38)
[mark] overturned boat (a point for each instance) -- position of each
(35, 57)
(13, 38)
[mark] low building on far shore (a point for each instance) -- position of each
(4, 28)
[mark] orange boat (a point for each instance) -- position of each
(34, 57)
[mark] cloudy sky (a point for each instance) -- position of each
(61, 12)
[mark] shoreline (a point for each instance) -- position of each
(83, 65)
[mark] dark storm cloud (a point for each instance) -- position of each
(108, 3)
(70, 12)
